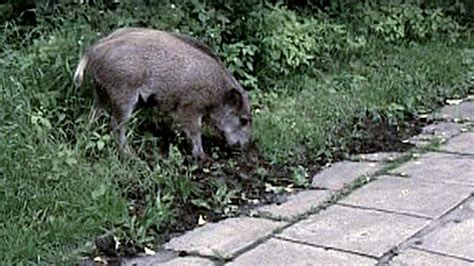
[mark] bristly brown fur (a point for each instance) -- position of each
(177, 73)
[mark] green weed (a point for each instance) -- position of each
(61, 181)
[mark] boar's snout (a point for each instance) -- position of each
(233, 118)
(239, 138)
(236, 129)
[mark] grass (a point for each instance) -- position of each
(62, 184)
(389, 83)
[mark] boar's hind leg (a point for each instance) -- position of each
(191, 122)
(101, 101)
(120, 115)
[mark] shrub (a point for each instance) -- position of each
(394, 23)
(291, 43)
(62, 182)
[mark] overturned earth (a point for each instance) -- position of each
(249, 180)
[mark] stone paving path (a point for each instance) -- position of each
(415, 208)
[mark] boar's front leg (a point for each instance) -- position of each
(191, 123)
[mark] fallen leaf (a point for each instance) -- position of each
(201, 220)
(254, 201)
(149, 251)
(100, 260)
(454, 101)
(269, 187)
(117, 242)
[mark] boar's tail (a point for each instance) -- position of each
(79, 74)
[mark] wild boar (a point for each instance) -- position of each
(177, 74)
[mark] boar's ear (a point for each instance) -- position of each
(233, 97)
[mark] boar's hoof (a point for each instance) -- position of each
(201, 157)
(126, 152)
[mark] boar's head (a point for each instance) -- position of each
(233, 117)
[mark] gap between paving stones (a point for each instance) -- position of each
(326, 247)
(282, 252)
(439, 167)
(381, 171)
(432, 226)
(365, 231)
(410, 196)
(452, 153)
(441, 254)
(384, 211)
(335, 196)
(449, 148)
(418, 236)
(420, 257)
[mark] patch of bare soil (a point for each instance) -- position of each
(249, 174)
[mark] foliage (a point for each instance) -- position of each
(61, 181)
(291, 43)
(410, 23)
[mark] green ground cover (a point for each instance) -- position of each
(310, 75)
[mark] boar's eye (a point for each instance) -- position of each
(244, 121)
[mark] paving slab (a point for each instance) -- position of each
(377, 156)
(280, 252)
(225, 238)
(463, 143)
(442, 129)
(418, 257)
(364, 231)
(410, 196)
(431, 240)
(342, 173)
(463, 111)
(158, 258)
(454, 238)
(440, 167)
(297, 204)
(437, 131)
(187, 261)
